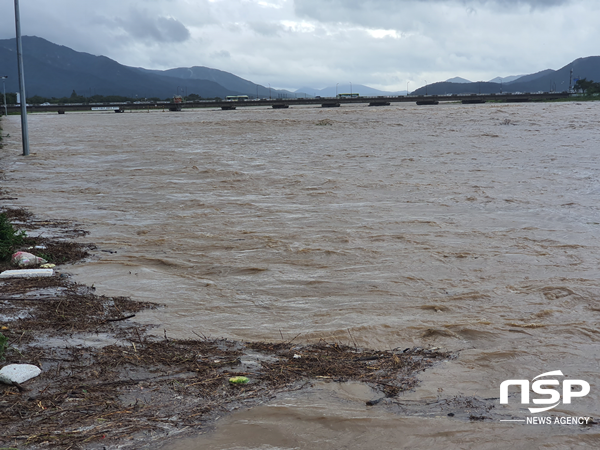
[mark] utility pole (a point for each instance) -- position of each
(24, 130)
(571, 80)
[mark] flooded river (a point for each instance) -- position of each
(473, 228)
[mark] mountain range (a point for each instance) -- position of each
(56, 71)
(545, 81)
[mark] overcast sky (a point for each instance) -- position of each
(292, 43)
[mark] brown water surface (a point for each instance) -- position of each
(469, 227)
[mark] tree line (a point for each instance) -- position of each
(11, 99)
(588, 87)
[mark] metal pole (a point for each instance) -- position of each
(24, 130)
(570, 80)
(4, 92)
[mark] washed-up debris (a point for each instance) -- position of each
(18, 373)
(27, 273)
(324, 122)
(239, 380)
(24, 259)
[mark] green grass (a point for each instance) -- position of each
(3, 345)
(10, 238)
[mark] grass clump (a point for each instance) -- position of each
(3, 346)
(10, 238)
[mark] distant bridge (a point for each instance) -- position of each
(286, 103)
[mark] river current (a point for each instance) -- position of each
(474, 228)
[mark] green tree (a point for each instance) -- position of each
(583, 85)
(11, 98)
(36, 100)
(594, 89)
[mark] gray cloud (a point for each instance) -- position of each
(264, 28)
(221, 54)
(143, 25)
(287, 43)
(369, 12)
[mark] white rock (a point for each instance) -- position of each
(18, 373)
(26, 273)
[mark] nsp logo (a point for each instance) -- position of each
(538, 388)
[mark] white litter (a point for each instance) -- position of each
(24, 259)
(18, 373)
(26, 273)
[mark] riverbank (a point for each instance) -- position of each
(106, 383)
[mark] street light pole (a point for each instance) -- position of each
(425, 87)
(24, 131)
(4, 92)
(336, 91)
(407, 88)
(351, 89)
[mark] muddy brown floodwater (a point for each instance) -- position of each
(473, 228)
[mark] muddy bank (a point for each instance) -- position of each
(106, 383)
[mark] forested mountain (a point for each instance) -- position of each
(56, 71)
